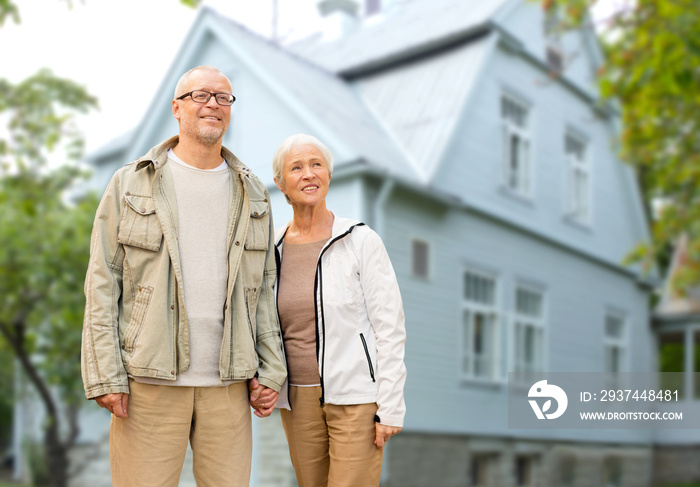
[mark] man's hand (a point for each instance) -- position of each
(114, 403)
(262, 399)
(384, 433)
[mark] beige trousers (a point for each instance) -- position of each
(148, 448)
(331, 446)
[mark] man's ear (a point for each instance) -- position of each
(176, 110)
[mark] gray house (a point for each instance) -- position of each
(470, 135)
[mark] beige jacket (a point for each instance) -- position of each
(135, 321)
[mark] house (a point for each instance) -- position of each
(676, 321)
(471, 136)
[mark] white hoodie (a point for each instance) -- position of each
(360, 326)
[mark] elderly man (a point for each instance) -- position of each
(180, 312)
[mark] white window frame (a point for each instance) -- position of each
(620, 343)
(578, 187)
(428, 256)
(487, 360)
(537, 323)
(516, 177)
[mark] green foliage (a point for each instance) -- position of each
(44, 243)
(8, 9)
(37, 466)
(7, 395)
(652, 54)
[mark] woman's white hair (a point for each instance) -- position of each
(182, 82)
(293, 141)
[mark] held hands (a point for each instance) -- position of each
(383, 434)
(262, 399)
(114, 403)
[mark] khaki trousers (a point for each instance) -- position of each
(148, 448)
(331, 446)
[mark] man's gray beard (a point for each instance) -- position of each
(209, 138)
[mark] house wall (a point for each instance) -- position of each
(472, 165)
(526, 22)
(578, 292)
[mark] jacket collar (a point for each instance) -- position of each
(158, 156)
(340, 226)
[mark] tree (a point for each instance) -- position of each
(44, 244)
(652, 54)
(44, 247)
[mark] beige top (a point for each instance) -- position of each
(202, 210)
(295, 304)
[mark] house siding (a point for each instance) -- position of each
(578, 293)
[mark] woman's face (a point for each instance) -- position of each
(305, 176)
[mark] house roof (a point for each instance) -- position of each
(325, 96)
(673, 303)
(420, 102)
(417, 27)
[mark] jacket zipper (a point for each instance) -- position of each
(369, 360)
(318, 286)
(318, 294)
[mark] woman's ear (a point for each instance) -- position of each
(279, 185)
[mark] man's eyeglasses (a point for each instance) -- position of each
(199, 96)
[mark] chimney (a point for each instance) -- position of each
(339, 17)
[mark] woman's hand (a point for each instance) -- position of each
(383, 434)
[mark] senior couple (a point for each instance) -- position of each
(195, 310)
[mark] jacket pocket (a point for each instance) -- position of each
(138, 316)
(139, 226)
(369, 360)
(251, 304)
(259, 226)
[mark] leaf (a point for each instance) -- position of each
(546, 406)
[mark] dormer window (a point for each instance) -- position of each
(515, 174)
(578, 190)
(554, 52)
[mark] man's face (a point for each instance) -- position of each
(204, 122)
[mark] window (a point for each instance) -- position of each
(516, 146)
(483, 470)
(615, 343)
(612, 472)
(566, 471)
(578, 191)
(420, 259)
(479, 328)
(552, 33)
(529, 333)
(524, 471)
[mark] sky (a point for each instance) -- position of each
(121, 50)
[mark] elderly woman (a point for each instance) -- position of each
(343, 327)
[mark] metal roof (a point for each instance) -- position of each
(326, 96)
(413, 27)
(420, 102)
